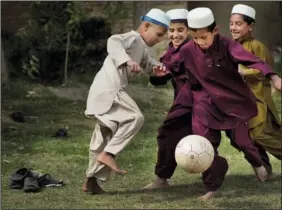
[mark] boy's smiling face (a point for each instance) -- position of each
(238, 27)
(177, 33)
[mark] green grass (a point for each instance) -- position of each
(31, 144)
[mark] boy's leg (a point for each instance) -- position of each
(100, 137)
(240, 139)
(266, 161)
(213, 177)
(129, 119)
(169, 134)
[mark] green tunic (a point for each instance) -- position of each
(265, 128)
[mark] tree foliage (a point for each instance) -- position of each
(39, 48)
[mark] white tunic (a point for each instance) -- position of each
(113, 76)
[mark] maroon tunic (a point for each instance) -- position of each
(221, 98)
(182, 93)
(178, 121)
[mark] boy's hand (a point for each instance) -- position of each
(134, 66)
(160, 70)
(276, 81)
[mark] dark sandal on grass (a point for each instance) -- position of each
(17, 178)
(48, 181)
(31, 185)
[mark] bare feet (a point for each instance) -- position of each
(271, 176)
(208, 195)
(159, 183)
(107, 159)
(261, 173)
(91, 185)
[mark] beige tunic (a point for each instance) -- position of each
(118, 116)
(113, 75)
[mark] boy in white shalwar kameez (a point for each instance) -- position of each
(118, 116)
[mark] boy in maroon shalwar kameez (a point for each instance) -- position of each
(221, 99)
(178, 121)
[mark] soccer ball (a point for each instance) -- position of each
(194, 154)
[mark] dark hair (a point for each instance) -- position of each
(209, 28)
(248, 19)
(183, 21)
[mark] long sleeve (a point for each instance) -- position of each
(148, 62)
(241, 56)
(116, 47)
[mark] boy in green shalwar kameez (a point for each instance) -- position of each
(265, 128)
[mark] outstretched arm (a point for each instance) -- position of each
(241, 56)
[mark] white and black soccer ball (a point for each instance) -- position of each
(194, 154)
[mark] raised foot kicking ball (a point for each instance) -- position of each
(194, 154)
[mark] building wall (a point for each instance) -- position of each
(268, 18)
(14, 15)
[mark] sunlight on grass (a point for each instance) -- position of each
(31, 144)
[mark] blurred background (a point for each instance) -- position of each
(50, 53)
(36, 35)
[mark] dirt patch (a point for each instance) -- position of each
(71, 93)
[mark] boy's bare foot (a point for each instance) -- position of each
(159, 183)
(91, 185)
(261, 173)
(271, 175)
(208, 195)
(108, 160)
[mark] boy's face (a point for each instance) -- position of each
(238, 27)
(177, 33)
(203, 37)
(152, 33)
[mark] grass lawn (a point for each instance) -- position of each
(31, 145)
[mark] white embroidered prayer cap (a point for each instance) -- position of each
(158, 17)
(177, 14)
(244, 10)
(200, 17)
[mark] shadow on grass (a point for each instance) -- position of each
(235, 186)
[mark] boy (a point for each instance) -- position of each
(221, 99)
(178, 121)
(118, 116)
(265, 128)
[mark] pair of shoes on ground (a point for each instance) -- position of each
(32, 181)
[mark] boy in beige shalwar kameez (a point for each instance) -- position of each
(118, 116)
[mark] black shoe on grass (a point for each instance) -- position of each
(17, 178)
(31, 185)
(48, 181)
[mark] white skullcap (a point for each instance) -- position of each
(244, 10)
(157, 17)
(200, 17)
(177, 14)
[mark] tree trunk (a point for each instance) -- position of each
(139, 8)
(280, 17)
(4, 69)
